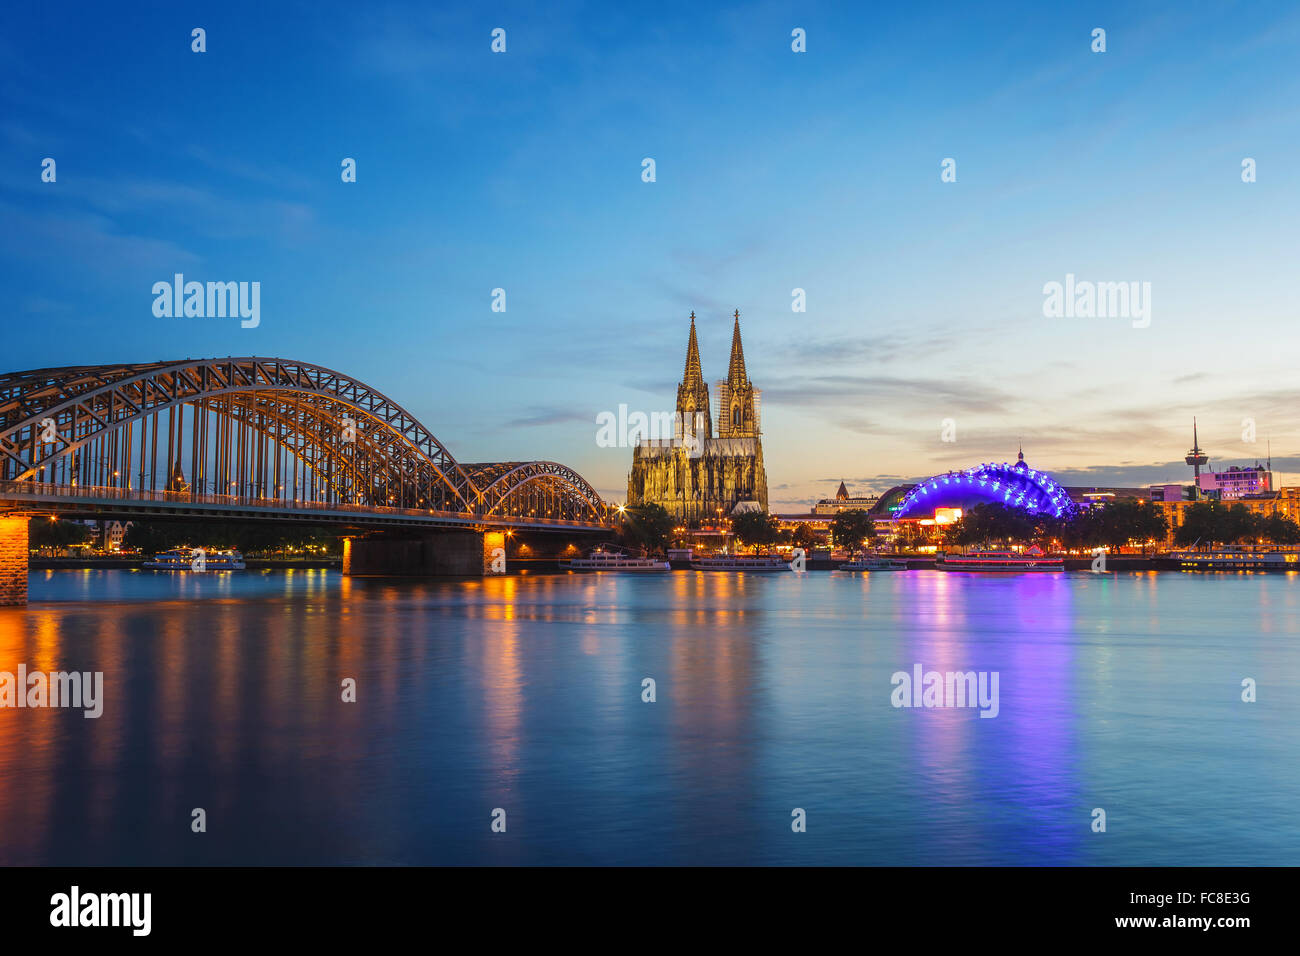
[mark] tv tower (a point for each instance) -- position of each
(1196, 458)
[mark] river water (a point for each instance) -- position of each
(1121, 693)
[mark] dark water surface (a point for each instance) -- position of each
(1120, 692)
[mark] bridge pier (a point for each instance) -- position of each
(451, 553)
(13, 561)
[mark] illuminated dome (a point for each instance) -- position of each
(1016, 486)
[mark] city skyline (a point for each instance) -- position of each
(523, 171)
(590, 436)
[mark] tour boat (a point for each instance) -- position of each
(1230, 560)
(196, 559)
(875, 562)
(740, 562)
(1032, 560)
(603, 559)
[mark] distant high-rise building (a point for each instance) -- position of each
(1237, 482)
(1196, 459)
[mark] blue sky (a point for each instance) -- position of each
(775, 171)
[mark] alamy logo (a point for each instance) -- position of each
(923, 688)
(215, 300)
(55, 689)
(75, 908)
(1098, 300)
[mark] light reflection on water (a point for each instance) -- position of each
(223, 692)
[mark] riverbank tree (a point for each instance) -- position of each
(853, 530)
(1115, 525)
(151, 537)
(1208, 523)
(756, 528)
(51, 533)
(648, 526)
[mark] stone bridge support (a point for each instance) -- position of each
(13, 560)
(449, 553)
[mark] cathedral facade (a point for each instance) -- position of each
(704, 471)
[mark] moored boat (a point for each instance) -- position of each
(874, 562)
(196, 559)
(740, 562)
(604, 559)
(999, 561)
(1227, 559)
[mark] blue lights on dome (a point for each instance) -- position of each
(1012, 485)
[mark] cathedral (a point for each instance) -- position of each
(703, 471)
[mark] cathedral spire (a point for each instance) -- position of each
(693, 415)
(736, 371)
(737, 398)
(693, 377)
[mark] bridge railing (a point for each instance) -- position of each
(47, 490)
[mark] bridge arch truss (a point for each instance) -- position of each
(528, 488)
(257, 429)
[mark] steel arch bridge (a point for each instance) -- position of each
(1016, 486)
(257, 437)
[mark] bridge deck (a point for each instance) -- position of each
(124, 503)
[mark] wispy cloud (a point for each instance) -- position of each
(844, 389)
(91, 241)
(195, 210)
(541, 417)
(261, 170)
